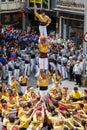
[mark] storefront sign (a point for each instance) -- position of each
(35, 1)
(9, 18)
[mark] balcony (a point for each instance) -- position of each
(10, 6)
(71, 3)
(72, 6)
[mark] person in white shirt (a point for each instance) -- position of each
(78, 72)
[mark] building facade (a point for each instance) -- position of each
(67, 17)
(11, 12)
(70, 15)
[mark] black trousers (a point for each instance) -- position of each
(78, 79)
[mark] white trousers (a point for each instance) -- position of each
(32, 64)
(4, 72)
(27, 69)
(1, 124)
(43, 31)
(43, 63)
(64, 72)
(9, 76)
(16, 73)
(37, 71)
(59, 67)
(43, 93)
(53, 66)
(23, 89)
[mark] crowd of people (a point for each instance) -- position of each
(21, 107)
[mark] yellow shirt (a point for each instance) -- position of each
(5, 121)
(57, 78)
(14, 84)
(23, 121)
(41, 18)
(10, 126)
(43, 82)
(76, 95)
(27, 94)
(58, 89)
(43, 48)
(3, 97)
(4, 112)
(85, 105)
(61, 127)
(23, 80)
(40, 121)
(11, 102)
(21, 112)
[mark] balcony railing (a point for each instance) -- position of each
(70, 3)
(6, 6)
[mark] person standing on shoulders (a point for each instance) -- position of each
(43, 82)
(44, 21)
(43, 57)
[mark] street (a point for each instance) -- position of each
(69, 84)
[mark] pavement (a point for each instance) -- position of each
(69, 84)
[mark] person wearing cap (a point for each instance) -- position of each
(43, 57)
(44, 21)
(76, 94)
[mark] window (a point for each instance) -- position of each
(3, 0)
(45, 4)
(37, 2)
(11, 0)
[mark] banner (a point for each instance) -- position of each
(37, 2)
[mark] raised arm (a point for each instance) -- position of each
(35, 12)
